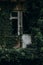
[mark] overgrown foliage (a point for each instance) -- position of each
(34, 21)
(20, 56)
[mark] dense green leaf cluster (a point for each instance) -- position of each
(20, 56)
(11, 54)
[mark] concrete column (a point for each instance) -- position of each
(20, 26)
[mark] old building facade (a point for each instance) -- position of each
(12, 28)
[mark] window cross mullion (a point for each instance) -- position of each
(13, 18)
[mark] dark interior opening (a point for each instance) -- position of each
(14, 26)
(14, 14)
(25, 24)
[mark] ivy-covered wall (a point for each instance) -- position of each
(6, 37)
(35, 27)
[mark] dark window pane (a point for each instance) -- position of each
(14, 14)
(14, 26)
(25, 24)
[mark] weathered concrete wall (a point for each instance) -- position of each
(26, 40)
